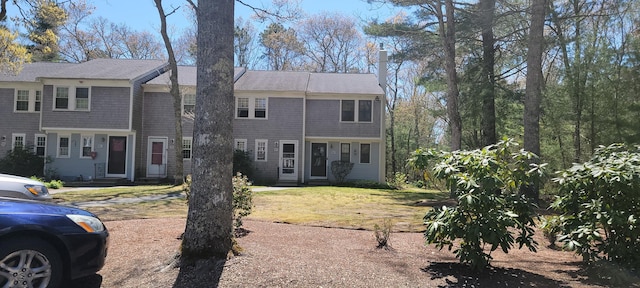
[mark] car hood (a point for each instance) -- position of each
(20, 206)
(19, 179)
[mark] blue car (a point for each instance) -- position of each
(47, 245)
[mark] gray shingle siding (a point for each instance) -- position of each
(285, 118)
(109, 109)
(18, 122)
(323, 120)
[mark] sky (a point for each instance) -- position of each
(142, 14)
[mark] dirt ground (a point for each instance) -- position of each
(284, 255)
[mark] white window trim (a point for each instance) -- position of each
(190, 139)
(266, 150)
(252, 108)
(13, 140)
(35, 143)
(93, 141)
(356, 111)
(58, 147)
(31, 107)
(360, 154)
(71, 101)
(235, 144)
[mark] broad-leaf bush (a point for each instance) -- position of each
(486, 184)
(600, 204)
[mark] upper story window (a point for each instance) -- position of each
(251, 108)
(66, 98)
(189, 103)
(187, 147)
(356, 110)
(27, 100)
(17, 141)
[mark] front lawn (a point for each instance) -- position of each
(343, 207)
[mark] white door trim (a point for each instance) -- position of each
(157, 170)
(288, 161)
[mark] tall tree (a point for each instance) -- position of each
(245, 44)
(332, 43)
(12, 54)
(534, 82)
(178, 175)
(282, 48)
(486, 15)
(43, 30)
(207, 237)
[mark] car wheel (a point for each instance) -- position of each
(29, 262)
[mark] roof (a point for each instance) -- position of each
(344, 83)
(109, 69)
(281, 81)
(187, 76)
(104, 69)
(31, 71)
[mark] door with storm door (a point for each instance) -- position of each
(117, 165)
(288, 160)
(319, 160)
(157, 157)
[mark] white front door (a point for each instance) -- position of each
(157, 157)
(288, 160)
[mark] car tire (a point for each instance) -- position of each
(43, 270)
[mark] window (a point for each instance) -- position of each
(364, 111)
(82, 98)
(240, 144)
(18, 141)
(63, 146)
(365, 153)
(345, 152)
(22, 100)
(87, 146)
(349, 109)
(40, 145)
(38, 103)
(188, 104)
(251, 108)
(261, 150)
(62, 98)
(261, 108)
(187, 145)
(72, 98)
(243, 108)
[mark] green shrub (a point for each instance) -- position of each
(242, 199)
(242, 163)
(551, 227)
(340, 170)
(600, 204)
(54, 184)
(486, 184)
(22, 162)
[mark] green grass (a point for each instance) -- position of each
(328, 206)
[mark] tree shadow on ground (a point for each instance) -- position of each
(460, 275)
(604, 274)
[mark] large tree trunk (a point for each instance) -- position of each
(487, 8)
(178, 176)
(448, 32)
(533, 93)
(208, 233)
